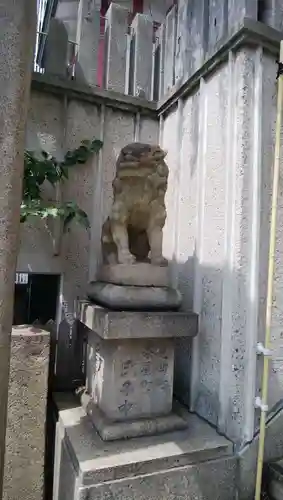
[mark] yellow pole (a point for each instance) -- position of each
(269, 298)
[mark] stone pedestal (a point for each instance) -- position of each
(25, 437)
(134, 298)
(134, 287)
(138, 274)
(192, 464)
(130, 364)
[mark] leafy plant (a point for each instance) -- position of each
(38, 169)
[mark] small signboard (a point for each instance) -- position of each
(21, 279)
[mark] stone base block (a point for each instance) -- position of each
(138, 324)
(273, 451)
(193, 464)
(25, 435)
(130, 379)
(135, 298)
(112, 431)
(130, 367)
(139, 274)
(275, 476)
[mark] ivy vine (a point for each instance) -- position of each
(45, 167)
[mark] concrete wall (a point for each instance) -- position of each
(56, 125)
(220, 142)
(157, 9)
(25, 439)
(192, 32)
(220, 137)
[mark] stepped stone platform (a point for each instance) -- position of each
(126, 438)
(192, 464)
(130, 369)
(275, 477)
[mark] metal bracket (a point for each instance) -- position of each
(260, 405)
(260, 349)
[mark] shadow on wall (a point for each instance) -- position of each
(222, 298)
(36, 252)
(217, 364)
(211, 335)
(60, 58)
(207, 357)
(197, 361)
(45, 131)
(216, 380)
(225, 309)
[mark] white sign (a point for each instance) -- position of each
(21, 279)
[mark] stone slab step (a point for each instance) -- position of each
(194, 464)
(275, 479)
(113, 325)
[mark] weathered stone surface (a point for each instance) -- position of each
(130, 379)
(158, 83)
(276, 480)
(116, 47)
(25, 439)
(276, 489)
(55, 60)
(87, 39)
(169, 56)
(129, 370)
(202, 481)
(112, 431)
(238, 10)
(133, 230)
(134, 297)
(192, 37)
(232, 313)
(193, 464)
(142, 27)
(247, 457)
(67, 12)
(218, 22)
(139, 274)
(138, 324)
(18, 29)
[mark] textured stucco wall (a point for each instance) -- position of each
(157, 9)
(45, 131)
(220, 151)
(219, 201)
(269, 118)
(57, 125)
(25, 438)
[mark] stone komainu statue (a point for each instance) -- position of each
(133, 230)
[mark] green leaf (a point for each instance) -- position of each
(82, 153)
(96, 145)
(84, 222)
(46, 168)
(67, 220)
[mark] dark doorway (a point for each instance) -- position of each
(20, 304)
(36, 301)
